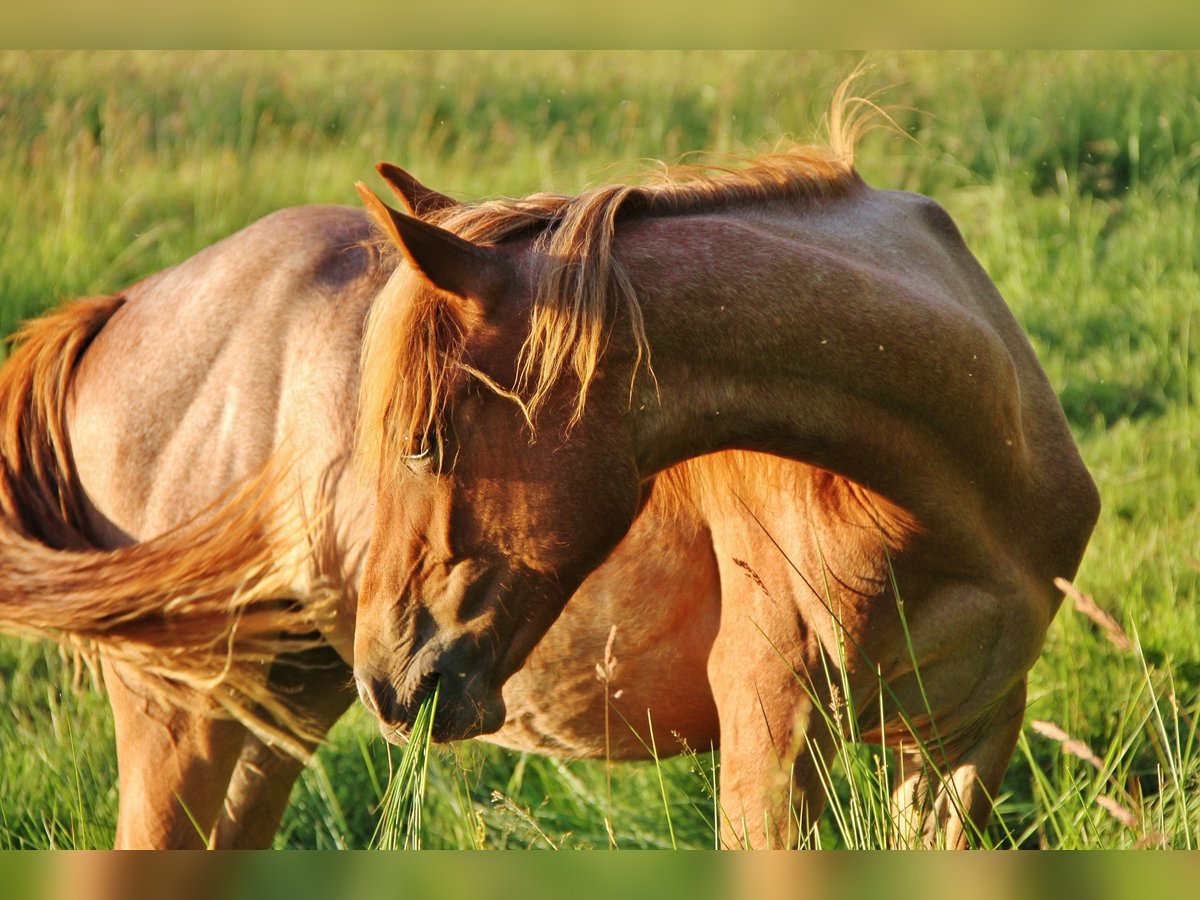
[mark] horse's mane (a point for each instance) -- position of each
(413, 346)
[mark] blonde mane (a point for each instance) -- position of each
(413, 348)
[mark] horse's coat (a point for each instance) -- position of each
(536, 386)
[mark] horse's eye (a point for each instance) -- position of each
(428, 456)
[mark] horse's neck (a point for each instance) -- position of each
(821, 353)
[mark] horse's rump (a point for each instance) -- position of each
(203, 605)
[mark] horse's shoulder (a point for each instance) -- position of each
(922, 210)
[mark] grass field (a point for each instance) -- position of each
(1074, 177)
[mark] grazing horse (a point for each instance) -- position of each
(539, 362)
(533, 380)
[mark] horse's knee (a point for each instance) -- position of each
(772, 791)
(256, 798)
(946, 789)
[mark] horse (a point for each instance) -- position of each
(539, 364)
(179, 488)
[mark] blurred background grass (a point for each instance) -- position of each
(1075, 177)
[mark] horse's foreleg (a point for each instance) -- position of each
(321, 686)
(771, 795)
(774, 737)
(173, 761)
(945, 793)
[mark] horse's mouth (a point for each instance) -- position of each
(458, 724)
(457, 713)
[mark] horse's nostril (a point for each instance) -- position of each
(428, 684)
(381, 700)
(365, 696)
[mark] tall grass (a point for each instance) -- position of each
(1074, 177)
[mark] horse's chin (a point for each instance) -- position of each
(468, 722)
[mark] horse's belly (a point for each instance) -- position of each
(565, 714)
(629, 654)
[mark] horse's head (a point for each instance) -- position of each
(484, 524)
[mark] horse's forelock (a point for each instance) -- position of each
(409, 347)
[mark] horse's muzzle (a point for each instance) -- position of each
(464, 708)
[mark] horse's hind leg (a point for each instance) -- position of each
(945, 795)
(321, 686)
(174, 763)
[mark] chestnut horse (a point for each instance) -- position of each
(176, 489)
(539, 362)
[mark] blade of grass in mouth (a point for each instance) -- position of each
(400, 809)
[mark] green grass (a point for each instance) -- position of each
(1074, 177)
(403, 801)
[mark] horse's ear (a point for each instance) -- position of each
(418, 199)
(473, 272)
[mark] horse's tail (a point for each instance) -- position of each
(203, 606)
(39, 495)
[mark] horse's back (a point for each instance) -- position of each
(214, 365)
